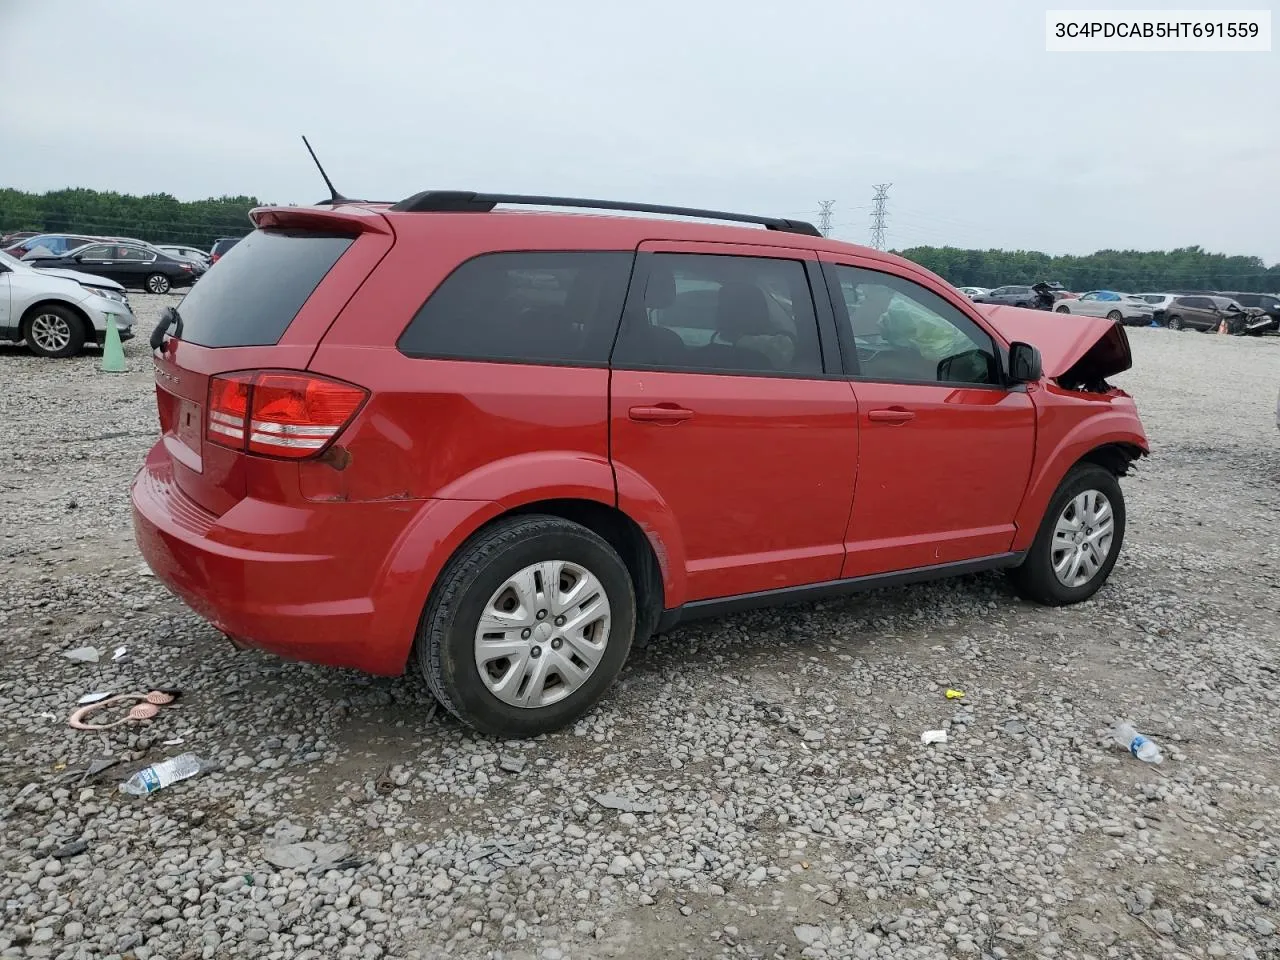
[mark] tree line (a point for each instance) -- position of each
(1130, 271)
(156, 217)
(162, 218)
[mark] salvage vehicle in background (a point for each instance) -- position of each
(1268, 304)
(1107, 303)
(220, 247)
(1013, 295)
(58, 311)
(1159, 303)
(131, 264)
(47, 244)
(502, 445)
(972, 292)
(194, 254)
(1207, 314)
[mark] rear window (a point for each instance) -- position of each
(258, 288)
(222, 246)
(532, 307)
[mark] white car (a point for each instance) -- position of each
(58, 311)
(1159, 303)
(972, 292)
(1107, 303)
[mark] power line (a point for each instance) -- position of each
(824, 216)
(878, 215)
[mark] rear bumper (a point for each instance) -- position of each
(300, 581)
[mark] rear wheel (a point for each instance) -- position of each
(158, 283)
(1175, 323)
(1062, 310)
(1078, 542)
(52, 331)
(527, 627)
(1114, 316)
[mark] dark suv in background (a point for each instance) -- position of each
(1268, 303)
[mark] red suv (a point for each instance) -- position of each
(503, 443)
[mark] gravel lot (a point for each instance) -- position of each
(785, 805)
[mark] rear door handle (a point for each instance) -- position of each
(660, 413)
(891, 415)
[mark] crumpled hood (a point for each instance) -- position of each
(78, 277)
(1084, 348)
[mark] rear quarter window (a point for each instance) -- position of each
(258, 287)
(554, 307)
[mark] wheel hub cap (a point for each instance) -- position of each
(542, 634)
(1082, 538)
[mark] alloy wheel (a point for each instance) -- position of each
(50, 332)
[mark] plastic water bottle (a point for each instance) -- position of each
(1128, 737)
(162, 774)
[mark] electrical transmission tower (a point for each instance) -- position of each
(878, 215)
(824, 216)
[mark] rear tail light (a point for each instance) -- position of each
(293, 415)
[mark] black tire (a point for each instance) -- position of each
(445, 647)
(158, 283)
(53, 331)
(1062, 310)
(1115, 316)
(1035, 579)
(1175, 323)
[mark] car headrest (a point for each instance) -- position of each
(660, 287)
(741, 311)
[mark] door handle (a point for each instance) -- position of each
(891, 415)
(660, 413)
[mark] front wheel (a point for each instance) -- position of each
(1078, 542)
(527, 627)
(1114, 316)
(53, 331)
(158, 283)
(1063, 310)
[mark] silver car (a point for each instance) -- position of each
(1107, 303)
(194, 254)
(58, 311)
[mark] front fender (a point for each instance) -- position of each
(1119, 425)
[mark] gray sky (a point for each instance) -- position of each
(766, 107)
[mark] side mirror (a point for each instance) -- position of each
(1025, 365)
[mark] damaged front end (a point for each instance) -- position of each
(1109, 355)
(1078, 353)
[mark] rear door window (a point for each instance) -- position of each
(555, 307)
(719, 313)
(259, 287)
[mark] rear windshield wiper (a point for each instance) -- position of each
(169, 317)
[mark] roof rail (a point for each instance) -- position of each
(465, 201)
